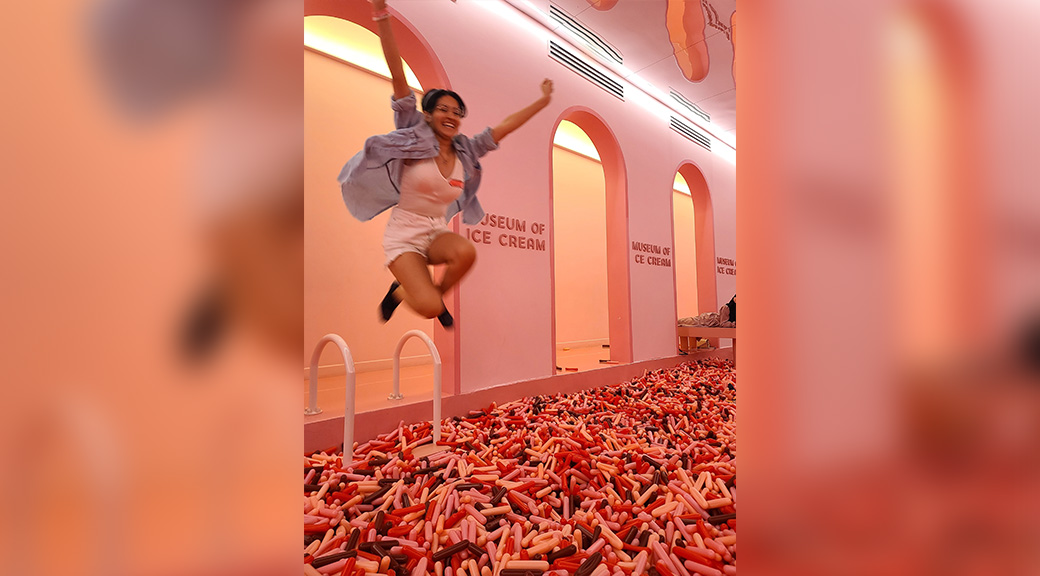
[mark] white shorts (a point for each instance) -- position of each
(411, 232)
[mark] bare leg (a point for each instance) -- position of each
(417, 288)
(458, 255)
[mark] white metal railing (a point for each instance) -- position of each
(396, 395)
(351, 385)
(351, 389)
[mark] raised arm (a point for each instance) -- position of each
(517, 119)
(390, 51)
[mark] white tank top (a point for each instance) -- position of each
(424, 190)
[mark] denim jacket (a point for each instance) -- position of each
(370, 181)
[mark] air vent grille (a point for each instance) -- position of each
(690, 133)
(590, 38)
(690, 105)
(583, 68)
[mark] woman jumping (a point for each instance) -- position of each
(428, 172)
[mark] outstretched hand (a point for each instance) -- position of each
(518, 118)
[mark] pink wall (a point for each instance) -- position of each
(580, 249)
(504, 329)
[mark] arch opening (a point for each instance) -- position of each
(579, 251)
(347, 100)
(700, 254)
(593, 238)
(684, 247)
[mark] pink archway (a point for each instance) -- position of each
(619, 299)
(414, 48)
(704, 228)
(430, 72)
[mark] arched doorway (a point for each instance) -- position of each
(696, 260)
(346, 101)
(684, 248)
(579, 251)
(615, 224)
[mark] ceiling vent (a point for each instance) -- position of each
(690, 105)
(590, 38)
(577, 64)
(691, 134)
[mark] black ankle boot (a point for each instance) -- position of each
(445, 319)
(389, 303)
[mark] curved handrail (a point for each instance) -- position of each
(436, 423)
(351, 389)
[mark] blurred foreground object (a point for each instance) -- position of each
(158, 166)
(888, 233)
(153, 54)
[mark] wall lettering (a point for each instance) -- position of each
(651, 254)
(726, 266)
(487, 233)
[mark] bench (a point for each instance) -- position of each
(688, 336)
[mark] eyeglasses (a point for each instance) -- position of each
(446, 110)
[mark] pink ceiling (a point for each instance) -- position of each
(639, 29)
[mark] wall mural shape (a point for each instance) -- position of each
(602, 5)
(685, 22)
(713, 19)
(733, 40)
